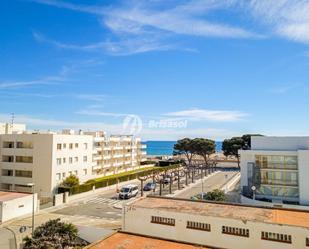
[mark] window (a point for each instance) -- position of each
(70, 172)
(58, 161)
(76, 159)
(8, 144)
(7, 172)
(24, 159)
(64, 160)
(235, 231)
(58, 146)
(198, 226)
(58, 176)
(307, 242)
(276, 237)
(163, 220)
(24, 145)
(63, 175)
(76, 145)
(71, 146)
(85, 159)
(85, 146)
(85, 171)
(70, 160)
(64, 146)
(23, 173)
(8, 159)
(75, 172)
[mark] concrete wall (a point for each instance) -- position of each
(138, 221)
(303, 174)
(17, 207)
(280, 143)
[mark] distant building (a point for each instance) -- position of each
(216, 225)
(276, 169)
(6, 128)
(46, 159)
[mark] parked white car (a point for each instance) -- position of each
(128, 191)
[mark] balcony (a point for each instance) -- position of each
(107, 148)
(118, 148)
(107, 157)
(143, 146)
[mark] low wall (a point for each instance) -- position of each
(99, 190)
(17, 207)
(230, 185)
(246, 200)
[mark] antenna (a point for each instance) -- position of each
(12, 119)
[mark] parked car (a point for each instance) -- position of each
(128, 191)
(149, 186)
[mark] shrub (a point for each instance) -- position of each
(70, 181)
(54, 234)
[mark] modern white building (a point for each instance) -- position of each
(46, 159)
(217, 225)
(276, 169)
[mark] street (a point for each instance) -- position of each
(98, 210)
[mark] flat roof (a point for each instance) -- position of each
(283, 216)
(130, 241)
(8, 196)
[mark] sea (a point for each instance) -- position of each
(165, 148)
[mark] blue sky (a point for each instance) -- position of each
(210, 68)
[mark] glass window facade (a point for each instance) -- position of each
(279, 175)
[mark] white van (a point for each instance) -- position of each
(128, 191)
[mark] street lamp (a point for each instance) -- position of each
(32, 186)
(253, 188)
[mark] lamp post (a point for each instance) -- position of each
(32, 186)
(253, 188)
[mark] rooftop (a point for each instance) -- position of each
(7, 196)
(233, 211)
(130, 241)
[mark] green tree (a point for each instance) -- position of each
(247, 141)
(204, 148)
(230, 147)
(54, 234)
(184, 147)
(70, 181)
(215, 195)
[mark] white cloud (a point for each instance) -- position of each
(94, 112)
(140, 26)
(288, 18)
(211, 115)
(22, 84)
(284, 89)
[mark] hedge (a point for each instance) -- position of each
(113, 179)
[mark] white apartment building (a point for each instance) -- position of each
(278, 168)
(6, 128)
(46, 159)
(217, 225)
(116, 154)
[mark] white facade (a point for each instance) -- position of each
(6, 128)
(46, 159)
(278, 167)
(216, 225)
(13, 205)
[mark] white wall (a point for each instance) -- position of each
(138, 221)
(279, 143)
(303, 176)
(17, 207)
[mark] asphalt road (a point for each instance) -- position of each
(101, 206)
(214, 182)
